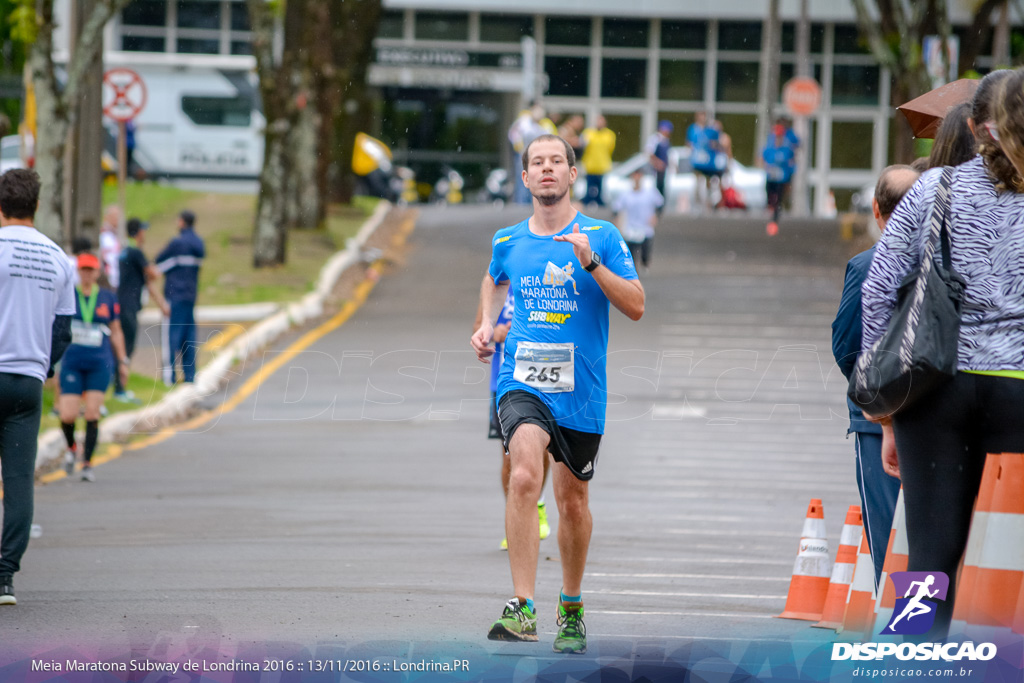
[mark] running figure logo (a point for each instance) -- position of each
(914, 613)
(553, 275)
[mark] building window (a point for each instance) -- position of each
(851, 144)
(143, 44)
(391, 22)
(737, 81)
(739, 35)
(442, 26)
(503, 28)
(628, 134)
(788, 41)
(198, 14)
(217, 111)
(854, 85)
(742, 128)
(199, 46)
(241, 47)
(680, 80)
(787, 71)
(145, 13)
(789, 38)
(239, 17)
(567, 75)
(625, 33)
(817, 38)
(566, 31)
(624, 78)
(847, 40)
(684, 35)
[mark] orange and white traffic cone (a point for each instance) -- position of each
(993, 573)
(842, 570)
(968, 578)
(897, 556)
(1018, 615)
(809, 585)
(860, 605)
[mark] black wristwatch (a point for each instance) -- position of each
(595, 261)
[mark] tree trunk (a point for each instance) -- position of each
(976, 35)
(903, 151)
(894, 37)
(270, 235)
(354, 30)
(307, 146)
(57, 109)
(51, 134)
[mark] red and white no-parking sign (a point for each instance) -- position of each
(124, 94)
(802, 96)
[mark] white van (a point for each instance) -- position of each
(10, 153)
(198, 121)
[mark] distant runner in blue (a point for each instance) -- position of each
(779, 156)
(565, 270)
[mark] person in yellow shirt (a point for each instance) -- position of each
(599, 143)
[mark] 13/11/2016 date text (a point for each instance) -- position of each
(355, 665)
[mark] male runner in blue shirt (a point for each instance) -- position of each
(552, 386)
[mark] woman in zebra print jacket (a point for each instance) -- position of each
(942, 440)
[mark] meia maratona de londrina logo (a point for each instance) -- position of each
(914, 614)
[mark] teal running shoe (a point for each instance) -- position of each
(572, 633)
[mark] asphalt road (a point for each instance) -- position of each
(352, 503)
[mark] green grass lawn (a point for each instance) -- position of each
(146, 389)
(225, 222)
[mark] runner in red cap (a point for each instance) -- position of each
(85, 373)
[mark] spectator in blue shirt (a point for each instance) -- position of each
(180, 262)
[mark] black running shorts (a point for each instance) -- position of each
(574, 449)
(494, 428)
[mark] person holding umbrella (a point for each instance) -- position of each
(938, 445)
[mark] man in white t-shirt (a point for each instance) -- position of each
(637, 212)
(38, 293)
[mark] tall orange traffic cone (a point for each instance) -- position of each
(842, 571)
(809, 585)
(987, 596)
(968, 579)
(1018, 615)
(897, 555)
(860, 605)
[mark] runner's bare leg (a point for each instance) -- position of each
(574, 526)
(527, 450)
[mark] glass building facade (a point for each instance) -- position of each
(452, 81)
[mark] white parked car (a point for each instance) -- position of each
(10, 153)
(680, 183)
(863, 199)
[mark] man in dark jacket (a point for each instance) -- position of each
(878, 490)
(179, 262)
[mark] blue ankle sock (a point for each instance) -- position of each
(529, 604)
(567, 598)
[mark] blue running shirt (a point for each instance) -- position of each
(499, 347)
(107, 311)
(557, 302)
